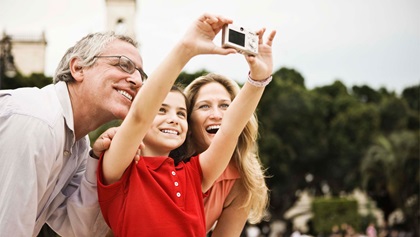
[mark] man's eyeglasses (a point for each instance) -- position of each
(127, 65)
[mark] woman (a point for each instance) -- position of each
(240, 193)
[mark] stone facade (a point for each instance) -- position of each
(29, 51)
(121, 16)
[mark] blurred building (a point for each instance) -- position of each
(121, 16)
(300, 213)
(28, 52)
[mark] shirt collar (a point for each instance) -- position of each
(64, 98)
(155, 162)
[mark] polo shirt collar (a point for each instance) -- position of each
(155, 162)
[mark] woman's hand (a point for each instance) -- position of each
(261, 66)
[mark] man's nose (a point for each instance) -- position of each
(135, 80)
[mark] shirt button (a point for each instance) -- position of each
(66, 153)
(176, 184)
(173, 173)
(178, 194)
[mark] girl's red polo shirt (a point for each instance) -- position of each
(155, 198)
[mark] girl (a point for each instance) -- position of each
(156, 196)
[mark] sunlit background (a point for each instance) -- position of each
(375, 42)
(320, 138)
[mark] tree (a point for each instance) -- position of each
(292, 141)
(291, 76)
(394, 114)
(390, 173)
(366, 94)
(412, 96)
(336, 90)
(34, 80)
(185, 78)
(283, 102)
(349, 134)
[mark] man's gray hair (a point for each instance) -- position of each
(86, 49)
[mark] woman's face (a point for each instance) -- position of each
(169, 128)
(206, 117)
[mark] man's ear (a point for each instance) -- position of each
(76, 70)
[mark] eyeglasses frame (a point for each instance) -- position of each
(143, 75)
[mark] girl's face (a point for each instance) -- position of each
(212, 102)
(169, 128)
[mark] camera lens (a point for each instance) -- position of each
(242, 29)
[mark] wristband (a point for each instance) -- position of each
(92, 154)
(262, 83)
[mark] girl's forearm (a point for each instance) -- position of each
(141, 114)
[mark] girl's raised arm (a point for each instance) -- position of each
(197, 40)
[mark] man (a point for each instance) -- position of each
(46, 174)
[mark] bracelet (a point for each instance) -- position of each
(92, 154)
(262, 83)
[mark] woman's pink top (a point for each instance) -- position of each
(214, 202)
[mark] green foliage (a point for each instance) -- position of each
(349, 133)
(185, 78)
(334, 211)
(412, 96)
(290, 76)
(390, 171)
(336, 90)
(327, 132)
(413, 122)
(394, 114)
(34, 80)
(353, 127)
(366, 94)
(96, 133)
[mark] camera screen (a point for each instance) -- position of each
(236, 37)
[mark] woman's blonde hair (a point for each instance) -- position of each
(246, 152)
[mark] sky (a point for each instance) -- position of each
(359, 42)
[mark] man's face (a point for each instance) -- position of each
(109, 89)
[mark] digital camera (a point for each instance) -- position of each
(245, 41)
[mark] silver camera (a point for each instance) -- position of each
(245, 41)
